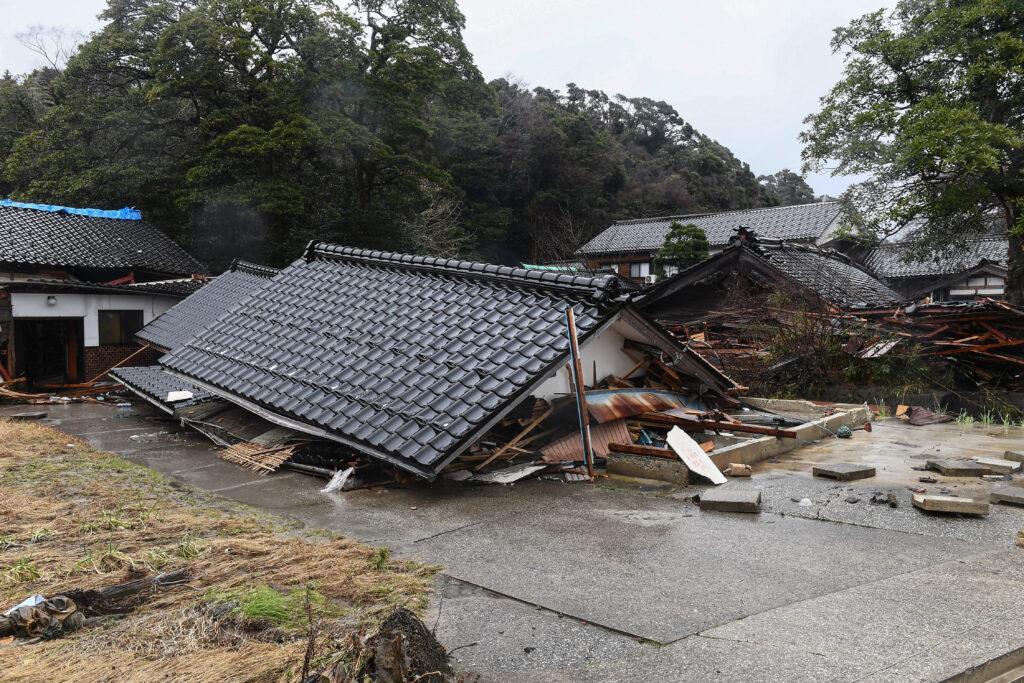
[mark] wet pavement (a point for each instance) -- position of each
(556, 581)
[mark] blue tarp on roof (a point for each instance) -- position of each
(126, 213)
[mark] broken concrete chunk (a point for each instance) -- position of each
(955, 504)
(731, 500)
(1017, 456)
(24, 417)
(739, 470)
(959, 468)
(999, 464)
(844, 471)
(1007, 494)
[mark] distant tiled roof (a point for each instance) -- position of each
(828, 273)
(800, 222)
(153, 384)
(187, 318)
(887, 260)
(38, 238)
(407, 358)
(182, 287)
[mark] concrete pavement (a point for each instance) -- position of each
(558, 581)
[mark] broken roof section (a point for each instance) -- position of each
(805, 222)
(186, 319)
(56, 238)
(894, 260)
(408, 358)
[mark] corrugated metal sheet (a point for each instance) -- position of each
(605, 405)
(570, 448)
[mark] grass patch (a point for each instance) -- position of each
(93, 520)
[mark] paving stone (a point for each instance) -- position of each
(959, 468)
(24, 417)
(999, 465)
(965, 506)
(844, 471)
(731, 500)
(1007, 494)
(1017, 456)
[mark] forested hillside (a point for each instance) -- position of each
(244, 128)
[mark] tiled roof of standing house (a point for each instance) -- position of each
(57, 238)
(406, 358)
(799, 222)
(888, 260)
(828, 273)
(187, 318)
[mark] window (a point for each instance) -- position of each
(641, 269)
(118, 327)
(614, 267)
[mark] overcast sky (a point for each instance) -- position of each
(745, 72)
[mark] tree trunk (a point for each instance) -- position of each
(1014, 291)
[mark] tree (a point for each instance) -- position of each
(684, 246)
(931, 104)
(789, 187)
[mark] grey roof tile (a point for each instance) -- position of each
(889, 260)
(34, 237)
(448, 386)
(799, 222)
(153, 384)
(181, 322)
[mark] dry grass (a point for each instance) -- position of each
(75, 518)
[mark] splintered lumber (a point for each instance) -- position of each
(952, 504)
(517, 439)
(693, 456)
(694, 425)
(843, 471)
(258, 458)
(958, 468)
(731, 500)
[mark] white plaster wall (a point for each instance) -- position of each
(87, 306)
(606, 349)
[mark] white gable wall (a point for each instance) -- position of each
(87, 306)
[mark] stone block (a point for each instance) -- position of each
(1017, 456)
(953, 504)
(959, 468)
(731, 500)
(843, 471)
(999, 465)
(1007, 494)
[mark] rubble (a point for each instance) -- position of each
(843, 471)
(949, 504)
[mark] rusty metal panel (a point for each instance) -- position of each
(569, 448)
(606, 405)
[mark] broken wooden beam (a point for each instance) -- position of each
(692, 425)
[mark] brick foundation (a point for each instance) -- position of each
(101, 358)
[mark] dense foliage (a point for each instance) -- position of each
(244, 128)
(685, 245)
(931, 104)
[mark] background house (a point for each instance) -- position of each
(979, 270)
(629, 247)
(77, 284)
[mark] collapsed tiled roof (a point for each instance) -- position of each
(38, 238)
(183, 321)
(407, 358)
(153, 384)
(890, 260)
(828, 273)
(799, 222)
(181, 287)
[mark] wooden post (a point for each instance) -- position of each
(581, 392)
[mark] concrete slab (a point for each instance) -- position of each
(843, 471)
(25, 417)
(731, 500)
(1007, 494)
(958, 468)
(1016, 456)
(952, 504)
(999, 465)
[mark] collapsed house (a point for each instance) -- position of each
(76, 285)
(719, 304)
(413, 360)
(630, 247)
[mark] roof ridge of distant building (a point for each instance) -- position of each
(979, 238)
(598, 287)
(649, 219)
(253, 268)
(128, 213)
